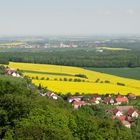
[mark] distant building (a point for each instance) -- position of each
(131, 96)
(94, 100)
(132, 113)
(115, 112)
(99, 50)
(120, 100)
(51, 95)
(78, 104)
(126, 123)
(74, 98)
(10, 71)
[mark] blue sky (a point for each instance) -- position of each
(58, 17)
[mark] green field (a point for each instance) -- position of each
(133, 73)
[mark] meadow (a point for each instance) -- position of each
(96, 82)
(123, 72)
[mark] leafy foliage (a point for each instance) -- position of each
(25, 115)
(77, 57)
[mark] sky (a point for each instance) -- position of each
(69, 17)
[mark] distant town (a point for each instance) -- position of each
(65, 42)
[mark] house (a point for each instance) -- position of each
(99, 50)
(116, 112)
(119, 96)
(97, 96)
(131, 96)
(124, 109)
(121, 99)
(112, 101)
(94, 100)
(14, 74)
(121, 118)
(43, 94)
(51, 95)
(108, 100)
(10, 71)
(78, 104)
(132, 113)
(126, 123)
(74, 98)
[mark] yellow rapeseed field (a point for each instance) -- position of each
(114, 49)
(81, 87)
(51, 76)
(12, 44)
(85, 87)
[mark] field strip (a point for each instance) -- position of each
(85, 87)
(50, 73)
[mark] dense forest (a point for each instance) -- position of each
(74, 57)
(26, 115)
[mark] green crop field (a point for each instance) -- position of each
(133, 73)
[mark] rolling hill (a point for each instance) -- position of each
(57, 78)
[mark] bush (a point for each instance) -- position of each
(65, 79)
(97, 81)
(81, 75)
(120, 84)
(47, 78)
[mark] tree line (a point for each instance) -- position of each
(80, 58)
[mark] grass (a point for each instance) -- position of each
(123, 72)
(97, 82)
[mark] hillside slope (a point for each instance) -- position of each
(100, 82)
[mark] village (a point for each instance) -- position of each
(119, 104)
(120, 108)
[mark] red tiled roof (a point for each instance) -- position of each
(79, 103)
(121, 118)
(119, 96)
(130, 111)
(122, 99)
